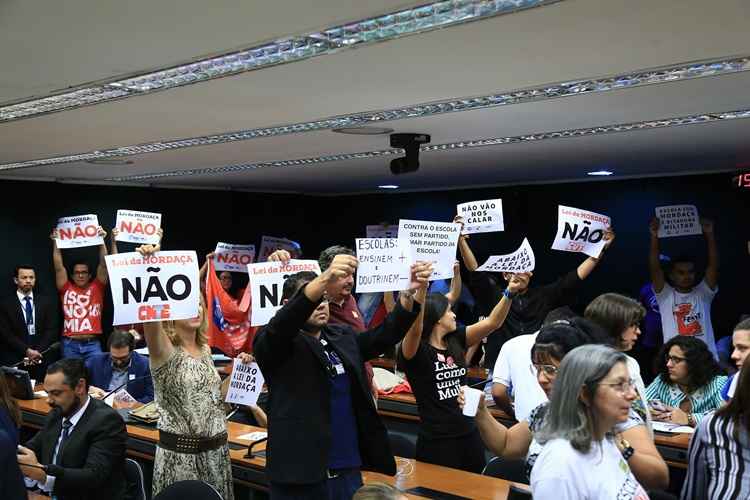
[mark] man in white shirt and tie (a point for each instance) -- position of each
(28, 322)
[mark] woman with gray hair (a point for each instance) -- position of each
(592, 393)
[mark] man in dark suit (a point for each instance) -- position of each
(121, 365)
(323, 426)
(28, 322)
(80, 452)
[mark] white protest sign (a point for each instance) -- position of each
(234, 258)
(433, 242)
(138, 227)
(520, 261)
(382, 231)
(384, 264)
(482, 216)
(246, 383)
(267, 283)
(580, 231)
(78, 231)
(269, 244)
(161, 287)
(678, 220)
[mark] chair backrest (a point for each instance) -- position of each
(401, 446)
(134, 479)
(517, 493)
(510, 470)
(192, 489)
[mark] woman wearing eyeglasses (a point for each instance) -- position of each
(580, 458)
(552, 345)
(688, 385)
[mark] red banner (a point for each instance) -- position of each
(228, 321)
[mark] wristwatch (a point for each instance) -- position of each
(627, 450)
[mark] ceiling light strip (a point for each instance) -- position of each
(561, 134)
(684, 71)
(282, 51)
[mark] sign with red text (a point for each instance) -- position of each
(580, 231)
(138, 227)
(520, 261)
(269, 244)
(678, 220)
(78, 231)
(482, 216)
(384, 264)
(267, 283)
(433, 242)
(160, 287)
(234, 258)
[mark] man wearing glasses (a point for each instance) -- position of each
(82, 300)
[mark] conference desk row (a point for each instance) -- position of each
(250, 472)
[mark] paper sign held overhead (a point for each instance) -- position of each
(520, 261)
(234, 258)
(161, 287)
(269, 244)
(267, 283)
(433, 242)
(246, 384)
(384, 264)
(138, 227)
(78, 231)
(482, 216)
(382, 231)
(580, 231)
(678, 220)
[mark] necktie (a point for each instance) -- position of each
(58, 453)
(29, 311)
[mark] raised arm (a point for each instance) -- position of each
(410, 344)
(463, 246)
(588, 265)
(479, 330)
(388, 301)
(455, 291)
(61, 274)
(101, 269)
(113, 241)
(712, 270)
(654, 266)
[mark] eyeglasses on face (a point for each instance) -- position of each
(548, 370)
(621, 387)
(674, 359)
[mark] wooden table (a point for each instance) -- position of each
(250, 472)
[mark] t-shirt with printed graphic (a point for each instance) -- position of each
(688, 314)
(562, 473)
(82, 308)
(436, 379)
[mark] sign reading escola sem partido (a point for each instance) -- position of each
(433, 242)
(163, 286)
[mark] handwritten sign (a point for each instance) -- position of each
(580, 231)
(482, 216)
(138, 227)
(382, 231)
(247, 381)
(269, 244)
(161, 287)
(267, 283)
(234, 258)
(678, 220)
(433, 242)
(384, 264)
(520, 261)
(78, 231)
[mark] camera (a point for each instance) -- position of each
(410, 143)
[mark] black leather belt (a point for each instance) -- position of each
(190, 444)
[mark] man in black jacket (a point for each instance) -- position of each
(28, 322)
(81, 448)
(323, 426)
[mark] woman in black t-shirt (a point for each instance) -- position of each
(432, 356)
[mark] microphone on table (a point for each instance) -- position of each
(483, 382)
(24, 361)
(249, 453)
(124, 385)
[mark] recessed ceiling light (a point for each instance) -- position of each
(600, 172)
(363, 130)
(388, 186)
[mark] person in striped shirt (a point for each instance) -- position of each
(719, 463)
(688, 385)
